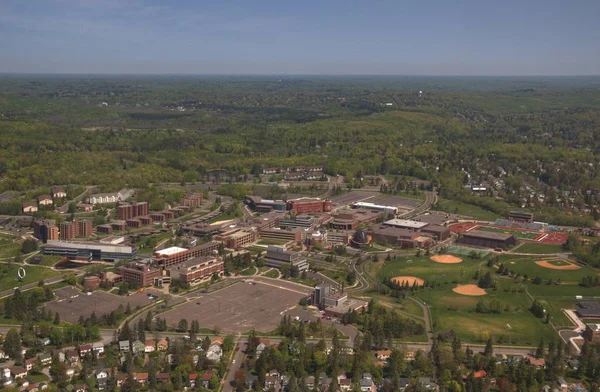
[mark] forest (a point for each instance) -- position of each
(532, 142)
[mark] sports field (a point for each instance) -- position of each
(519, 234)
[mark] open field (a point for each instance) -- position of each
(527, 265)
(539, 248)
(469, 289)
(9, 277)
(519, 234)
(457, 312)
(458, 207)
(466, 251)
(238, 308)
(402, 280)
(558, 264)
(72, 303)
(446, 259)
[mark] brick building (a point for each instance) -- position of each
(45, 229)
(282, 234)
(488, 239)
(139, 274)
(68, 230)
(307, 205)
(592, 333)
(197, 270)
(192, 200)
(84, 228)
(174, 255)
(237, 238)
(133, 210)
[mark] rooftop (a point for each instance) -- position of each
(170, 251)
(406, 223)
(487, 235)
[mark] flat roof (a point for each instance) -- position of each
(191, 262)
(114, 248)
(169, 251)
(395, 231)
(406, 223)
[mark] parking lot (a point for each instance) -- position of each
(238, 308)
(72, 303)
(352, 197)
(396, 201)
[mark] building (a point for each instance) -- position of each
(68, 230)
(318, 296)
(404, 238)
(45, 229)
(197, 270)
(350, 219)
(29, 207)
(336, 237)
(334, 303)
(133, 210)
(300, 221)
(592, 333)
(85, 207)
(437, 232)
(192, 200)
(104, 229)
(174, 255)
(283, 234)
(521, 216)
(588, 309)
(308, 205)
(237, 238)
(360, 239)
(45, 200)
(376, 207)
(277, 257)
(58, 192)
(134, 223)
(105, 198)
(406, 224)
(88, 251)
(119, 225)
(487, 239)
(139, 274)
(91, 282)
(259, 204)
(84, 228)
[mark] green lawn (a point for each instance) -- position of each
(271, 241)
(50, 261)
(272, 274)
(307, 282)
(35, 378)
(248, 271)
(9, 277)
(458, 207)
(537, 248)
(456, 312)
(526, 265)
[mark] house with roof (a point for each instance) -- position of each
(259, 349)
(29, 363)
(477, 375)
(58, 192)
(18, 372)
(272, 382)
(205, 380)
(383, 355)
(121, 377)
(98, 349)
(45, 341)
(141, 378)
(214, 353)
(345, 384)
(250, 380)
(80, 388)
(562, 383)
(72, 356)
(366, 383)
(3, 355)
(310, 382)
(124, 346)
(29, 207)
(539, 363)
(101, 379)
(192, 378)
(150, 345)
(137, 347)
(44, 200)
(217, 340)
(85, 349)
(163, 378)
(45, 359)
(427, 383)
(72, 370)
(60, 354)
(162, 345)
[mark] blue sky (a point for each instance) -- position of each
(427, 37)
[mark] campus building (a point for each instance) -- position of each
(283, 234)
(437, 232)
(308, 205)
(175, 255)
(197, 270)
(45, 229)
(335, 303)
(487, 239)
(139, 274)
(588, 309)
(277, 257)
(259, 204)
(192, 200)
(88, 250)
(592, 333)
(128, 211)
(84, 228)
(376, 207)
(350, 219)
(237, 238)
(521, 216)
(404, 238)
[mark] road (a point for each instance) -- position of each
(430, 199)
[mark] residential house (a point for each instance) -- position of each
(71, 371)
(42, 386)
(272, 382)
(3, 355)
(537, 362)
(214, 353)
(60, 354)
(141, 378)
(206, 379)
(85, 349)
(150, 345)
(192, 379)
(124, 346)
(366, 383)
(85, 207)
(98, 349)
(45, 359)
(137, 347)
(477, 375)
(7, 377)
(562, 383)
(121, 377)
(18, 372)
(29, 363)
(72, 356)
(383, 355)
(427, 383)
(163, 378)
(162, 345)
(345, 384)
(250, 380)
(310, 382)
(58, 192)
(45, 341)
(105, 198)
(45, 200)
(80, 388)
(217, 340)
(29, 207)
(101, 379)
(260, 348)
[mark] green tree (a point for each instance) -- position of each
(12, 345)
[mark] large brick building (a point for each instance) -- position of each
(175, 255)
(133, 210)
(237, 238)
(68, 230)
(404, 238)
(197, 270)
(308, 205)
(84, 228)
(488, 239)
(45, 229)
(139, 274)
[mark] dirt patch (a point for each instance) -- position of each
(547, 264)
(401, 280)
(446, 259)
(469, 289)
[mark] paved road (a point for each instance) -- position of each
(430, 199)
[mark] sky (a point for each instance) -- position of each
(329, 37)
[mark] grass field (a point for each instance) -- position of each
(458, 207)
(456, 312)
(50, 261)
(538, 248)
(526, 265)
(272, 274)
(248, 271)
(9, 277)
(271, 241)
(524, 235)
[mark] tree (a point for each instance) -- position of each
(56, 319)
(539, 352)
(12, 345)
(489, 348)
(29, 245)
(183, 325)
